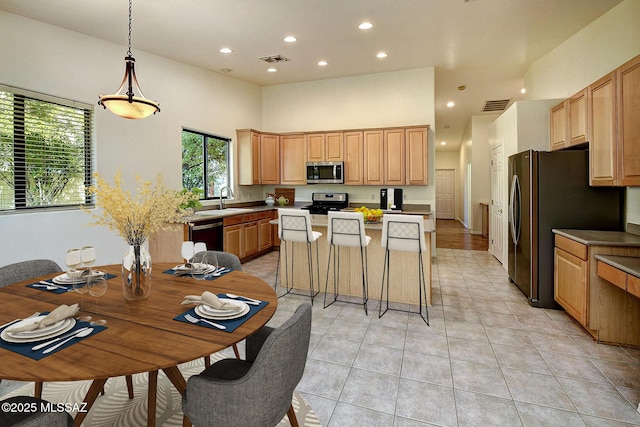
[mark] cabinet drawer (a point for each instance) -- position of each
(633, 285)
(266, 215)
(571, 246)
(613, 275)
(250, 217)
(233, 220)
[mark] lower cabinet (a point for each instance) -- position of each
(570, 280)
(244, 235)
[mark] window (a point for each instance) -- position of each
(45, 151)
(205, 163)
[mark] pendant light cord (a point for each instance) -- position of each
(129, 51)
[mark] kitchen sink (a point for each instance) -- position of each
(211, 212)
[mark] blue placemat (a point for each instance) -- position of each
(62, 288)
(231, 324)
(25, 348)
(209, 277)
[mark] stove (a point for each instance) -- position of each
(325, 202)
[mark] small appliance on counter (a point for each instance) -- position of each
(325, 202)
(391, 199)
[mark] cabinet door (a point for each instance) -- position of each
(394, 157)
(293, 151)
(255, 158)
(577, 118)
(334, 147)
(316, 147)
(353, 165)
(270, 159)
(571, 284)
(416, 142)
(602, 131)
(628, 123)
(232, 240)
(558, 127)
(265, 235)
(250, 238)
(248, 164)
(373, 157)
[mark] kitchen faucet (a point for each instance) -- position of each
(230, 194)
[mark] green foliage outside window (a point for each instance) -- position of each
(205, 163)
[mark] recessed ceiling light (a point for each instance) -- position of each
(225, 50)
(272, 70)
(290, 39)
(523, 90)
(322, 63)
(226, 70)
(365, 25)
(450, 104)
(443, 143)
(381, 55)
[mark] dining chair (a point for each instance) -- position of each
(294, 226)
(403, 233)
(256, 391)
(228, 260)
(29, 269)
(29, 413)
(346, 229)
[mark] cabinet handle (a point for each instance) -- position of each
(206, 226)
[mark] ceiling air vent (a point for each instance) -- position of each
(273, 59)
(497, 105)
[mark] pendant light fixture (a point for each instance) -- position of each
(128, 105)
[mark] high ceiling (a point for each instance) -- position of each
(485, 45)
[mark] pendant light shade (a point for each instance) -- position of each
(127, 104)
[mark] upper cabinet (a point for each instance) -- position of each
(610, 125)
(416, 142)
(269, 159)
(394, 157)
(373, 157)
(258, 157)
(353, 158)
(293, 155)
(316, 147)
(628, 122)
(325, 147)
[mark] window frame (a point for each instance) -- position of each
(19, 141)
(206, 136)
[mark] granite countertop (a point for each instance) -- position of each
(600, 238)
(628, 264)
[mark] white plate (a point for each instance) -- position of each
(202, 268)
(206, 315)
(65, 279)
(238, 306)
(55, 327)
(70, 323)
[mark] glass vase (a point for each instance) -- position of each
(136, 273)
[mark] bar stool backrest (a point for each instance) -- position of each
(294, 225)
(346, 229)
(403, 233)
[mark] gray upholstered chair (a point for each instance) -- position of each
(24, 270)
(225, 259)
(28, 418)
(256, 391)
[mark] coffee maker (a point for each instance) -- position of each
(391, 199)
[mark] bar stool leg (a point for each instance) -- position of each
(332, 251)
(385, 278)
(365, 278)
(423, 290)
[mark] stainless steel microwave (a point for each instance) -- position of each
(325, 173)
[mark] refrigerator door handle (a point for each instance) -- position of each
(514, 217)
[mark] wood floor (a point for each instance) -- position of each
(451, 234)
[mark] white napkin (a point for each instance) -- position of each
(209, 299)
(58, 314)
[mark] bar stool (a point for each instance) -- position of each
(404, 233)
(294, 225)
(346, 229)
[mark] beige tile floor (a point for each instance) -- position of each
(487, 359)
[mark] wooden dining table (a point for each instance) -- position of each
(141, 336)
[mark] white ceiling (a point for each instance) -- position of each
(486, 45)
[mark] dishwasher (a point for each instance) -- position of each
(209, 232)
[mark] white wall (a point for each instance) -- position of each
(481, 168)
(463, 191)
(58, 62)
(401, 98)
(596, 50)
(451, 160)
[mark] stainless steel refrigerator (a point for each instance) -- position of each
(551, 190)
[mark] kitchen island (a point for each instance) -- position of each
(403, 273)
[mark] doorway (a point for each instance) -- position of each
(445, 193)
(496, 229)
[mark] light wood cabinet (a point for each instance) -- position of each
(354, 158)
(232, 240)
(325, 147)
(394, 157)
(628, 123)
(577, 118)
(570, 284)
(316, 147)
(416, 140)
(250, 239)
(265, 232)
(248, 164)
(269, 159)
(602, 131)
(558, 126)
(373, 157)
(293, 151)
(244, 235)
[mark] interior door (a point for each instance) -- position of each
(496, 230)
(445, 193)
